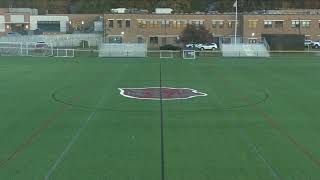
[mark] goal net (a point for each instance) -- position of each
(10, 49)
(166, 54)
(189, 54)
(39, 49)
(64, 53)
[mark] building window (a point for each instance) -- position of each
(110, 23)
(140, 40)
(128, 23)
(174, 23)
(148, 24)
(214, 24)
(305, 24)
(279, 24)
(170, 24)
(153, 40)
(115, 39)
(157, 24)
(167, 24)
(319, 24)
(164, 40)
(144, 23)
(119, 23)
(295, 24)
(252, 23)
(183, 24)
(178, 24)
(46, 26)
(197, 23)
(267, 24)
(201, 23)
(153, 24)
(221, 24)
(139, 23)
(163, 24)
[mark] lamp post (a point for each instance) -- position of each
(235, 4)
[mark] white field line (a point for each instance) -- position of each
(197, 93)
(259, 154)
(76, 135)
(68, 147)
(73, 140)
(251, 145)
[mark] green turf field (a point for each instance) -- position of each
(62, 120)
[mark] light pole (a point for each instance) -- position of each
(235, 4)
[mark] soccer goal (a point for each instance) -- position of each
(10, 49)
(189, 54)
(64, 53)
(39, 49)
(166, 54)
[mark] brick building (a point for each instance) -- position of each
(160, 29)
(254, 25)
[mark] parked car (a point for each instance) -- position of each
(191, 45)
(307, 43)
(316, 44)
(13, 34)
(208, 46)
(170, 47)
(41, 44)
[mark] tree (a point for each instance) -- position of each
(195, 34)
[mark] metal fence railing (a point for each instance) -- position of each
(242, 40)
(19, 49)
(208, 54)
(59, 40)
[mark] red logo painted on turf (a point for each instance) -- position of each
(167, 93)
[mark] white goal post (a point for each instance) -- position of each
(189, 54)
(37, 49)
(166, 54)
(64, 53)
(10, 49)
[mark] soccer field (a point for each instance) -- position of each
(66, 120)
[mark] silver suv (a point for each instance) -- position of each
(316, 44)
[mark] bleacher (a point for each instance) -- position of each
(244, 48)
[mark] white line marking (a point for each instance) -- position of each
(77, 134)
(198, 93)
(251, 145)
(72, 141)
(257, 152)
